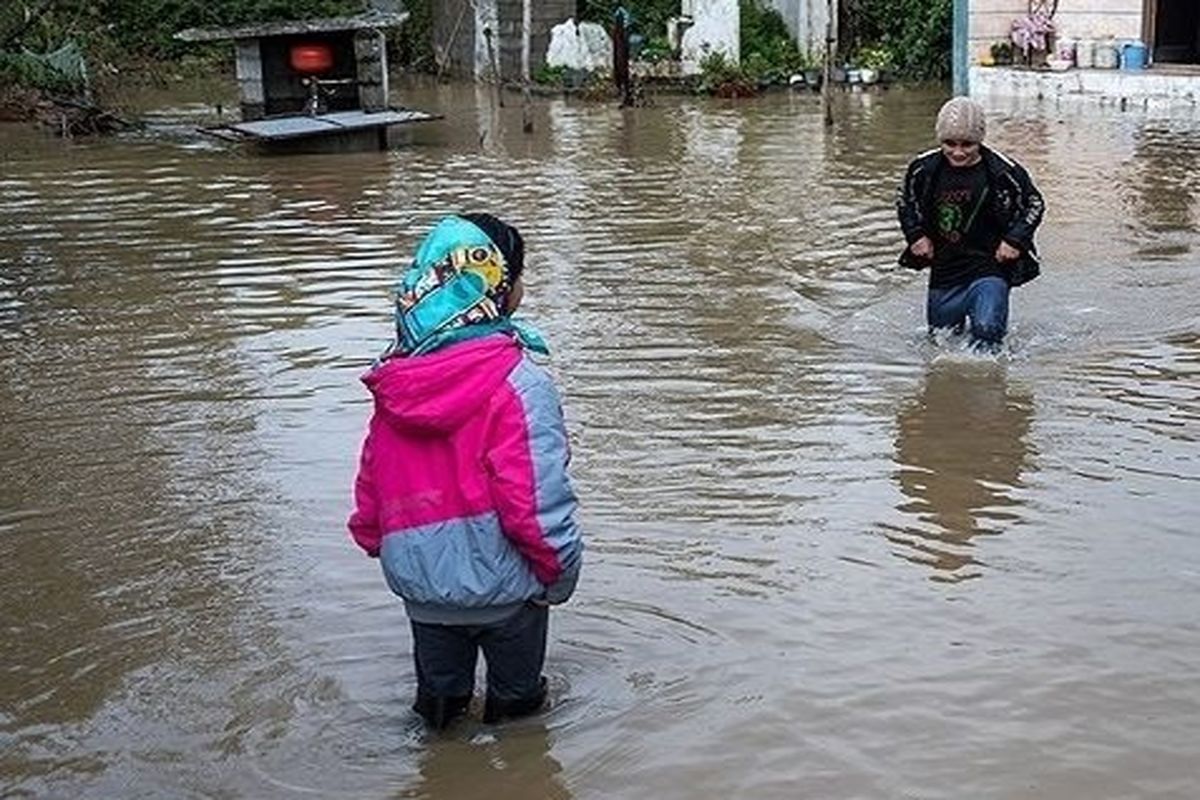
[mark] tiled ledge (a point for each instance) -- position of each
(1144, 90)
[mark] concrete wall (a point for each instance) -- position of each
(459, 35)
(806, 19)
(454, 34)
(991, 21)
(545, 15)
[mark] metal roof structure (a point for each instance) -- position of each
(370, 20)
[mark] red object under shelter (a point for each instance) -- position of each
(311, 58)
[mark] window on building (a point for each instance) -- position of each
(1175, 31)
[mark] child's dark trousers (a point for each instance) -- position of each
(514, 650)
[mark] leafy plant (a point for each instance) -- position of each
(133, 30)
(551, 76)
(722, 77)
(878, 57)
(917, 32)
(22, 69)
(649, 16)
(1002, 53)
(413, 43)
(768, 50)
(656, 49)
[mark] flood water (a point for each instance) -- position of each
(826, 558)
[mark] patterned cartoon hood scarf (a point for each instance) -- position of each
(456, 289)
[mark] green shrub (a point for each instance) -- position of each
(414, 41)
(656, 49)
(20, 69)
(649, 16)
(768, 51)
(133, 30)
(878, 58)
(917, 33)
(551, 76)
(720, 76)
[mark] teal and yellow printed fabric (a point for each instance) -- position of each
(456, 288)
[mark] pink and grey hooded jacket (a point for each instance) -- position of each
(462, 489)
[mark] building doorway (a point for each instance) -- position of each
(1173, 31)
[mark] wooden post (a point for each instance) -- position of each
(961, 48)
(497, 79)
(831, 37)
(620, 37)
(526, 35)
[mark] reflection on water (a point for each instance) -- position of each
(758, 430)
(1166, 186)
(511, 765)
(961, 449)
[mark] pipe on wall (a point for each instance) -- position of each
(960, 62)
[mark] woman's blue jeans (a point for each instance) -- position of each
(984, 301)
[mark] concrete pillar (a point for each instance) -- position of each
(370, 54)
(250, 79)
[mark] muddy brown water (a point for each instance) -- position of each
(826, 558)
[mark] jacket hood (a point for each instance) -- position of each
(442, 390)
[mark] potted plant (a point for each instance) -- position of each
(1002, 54)
(812, 69)
(873, 62)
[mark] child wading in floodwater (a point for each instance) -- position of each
(969, 214)
(462, 490)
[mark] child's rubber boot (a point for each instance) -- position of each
(496, 709)
(439, 712)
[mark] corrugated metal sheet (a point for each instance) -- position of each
(324, 124)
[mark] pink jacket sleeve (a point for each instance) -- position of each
(531, 492)
(364, 521)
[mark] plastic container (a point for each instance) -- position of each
(1085, 53)
(1134, 56)
(1065, 51)
(1108, 55)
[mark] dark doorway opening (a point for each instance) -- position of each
(1175, 29)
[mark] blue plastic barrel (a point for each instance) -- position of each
(1134, 55)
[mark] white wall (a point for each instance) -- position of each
(991, 22)
(1096, 19)
(715, 26)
